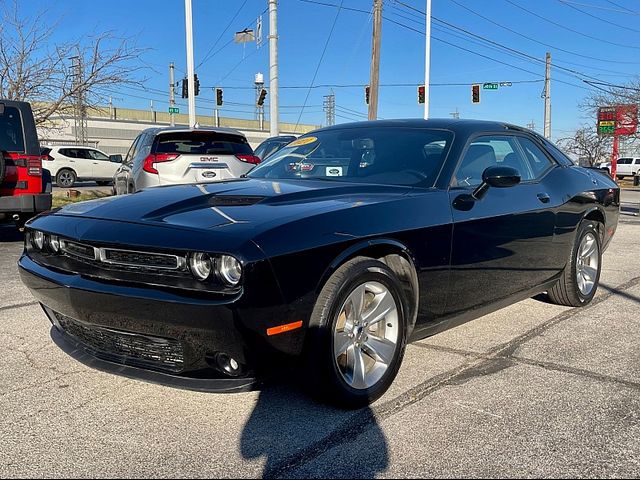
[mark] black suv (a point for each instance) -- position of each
(25, 188)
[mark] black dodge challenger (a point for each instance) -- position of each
(331, 256)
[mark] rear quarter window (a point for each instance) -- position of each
(11, 132)
(202, 143)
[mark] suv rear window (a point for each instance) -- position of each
(202, 143)
(11, 134)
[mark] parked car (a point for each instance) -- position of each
(175, 155)
(273, 144)
(627, 167)
(211, 285)
(72, 163)
(25, 187)
(606, 166)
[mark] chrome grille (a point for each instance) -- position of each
(124, 347)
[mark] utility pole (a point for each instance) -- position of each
(80, 109)
(329, 105)
(375, 59)
(190, 65)
(455, 114)
(273, 68)
(547, 98)
(532, 125)
(259, 85)
(427, 63)
(172, 94)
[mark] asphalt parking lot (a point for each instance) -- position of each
(532, 390)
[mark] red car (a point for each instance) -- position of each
(25, 188)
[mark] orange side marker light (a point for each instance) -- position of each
(284, 328)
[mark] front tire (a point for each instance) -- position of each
(357, 334)
(579, 281)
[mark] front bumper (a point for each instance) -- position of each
(111, 321)
(25, 203)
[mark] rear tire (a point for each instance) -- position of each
(66, 178)
(357, 334)
(581, 276)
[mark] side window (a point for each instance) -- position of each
(96, 155)
(143, 149)
(539, 163)
(83, 153)
(128, 160)
(487, 151)
(637, 162)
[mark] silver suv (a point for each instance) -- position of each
(177, 155)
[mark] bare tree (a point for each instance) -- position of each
(606, 94)
(34, 69)
(587, 145)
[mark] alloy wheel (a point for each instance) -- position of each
(366, 334)
(587, 264)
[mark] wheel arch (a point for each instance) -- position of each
(596, 214)
(396, 256)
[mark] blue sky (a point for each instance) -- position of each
(586, 29)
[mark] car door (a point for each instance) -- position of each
(624, 166)
(124, 174)
(503, 243)
(636, 166)
(102, 167)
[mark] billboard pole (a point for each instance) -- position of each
(614, 156)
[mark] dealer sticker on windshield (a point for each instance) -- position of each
(302, 141)
(334, 171)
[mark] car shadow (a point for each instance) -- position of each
(9, 233)
(290, 430)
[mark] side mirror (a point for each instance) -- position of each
(497, 177)
(115, 158)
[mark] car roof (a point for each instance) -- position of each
(160, 130)
(71, 146)
(456, 125)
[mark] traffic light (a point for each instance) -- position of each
(196, 85)
(421, 91)
(185, 88)
(475, 93)
(219, 97)
(263, 94)
(366, 94)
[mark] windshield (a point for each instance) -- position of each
(385, 155)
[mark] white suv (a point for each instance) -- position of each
(628, 167)
(70, 163)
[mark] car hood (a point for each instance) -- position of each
(242, 203)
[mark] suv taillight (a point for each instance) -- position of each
(32, 163)
(151, 160)
(253, 159)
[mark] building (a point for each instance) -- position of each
(112, 130)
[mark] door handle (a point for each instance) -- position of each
(544, 197)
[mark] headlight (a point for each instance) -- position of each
(229, 270)
(54, 243)
(38, 239)
(200, 265)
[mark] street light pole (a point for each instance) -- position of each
(190, 66)
(427, 62)
(273, 68)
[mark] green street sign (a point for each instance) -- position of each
(174, 110)
(490, 86)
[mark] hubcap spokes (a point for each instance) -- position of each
(366, 335)
(587, 264)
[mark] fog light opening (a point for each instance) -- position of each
(228, 365)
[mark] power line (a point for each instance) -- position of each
(204, 59)
(564, 27)
(567, 4)
(324, 50)
(600, 7)
(548, 45)
(623, 7)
